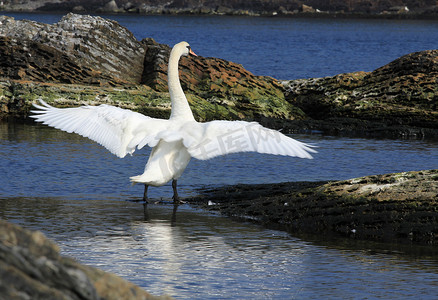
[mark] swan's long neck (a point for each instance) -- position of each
(180, 106)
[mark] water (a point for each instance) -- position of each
(285, 48)
(75, 191)
(52, 163)
(199, 256)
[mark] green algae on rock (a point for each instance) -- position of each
(16, 97)
(219, 88)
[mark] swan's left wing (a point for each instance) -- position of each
(223, 137)
(118, 130)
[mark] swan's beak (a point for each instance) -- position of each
(192, 53)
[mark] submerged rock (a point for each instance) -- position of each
(399, 207)
(32, 268)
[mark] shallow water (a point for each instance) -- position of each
(41, 161)
(203, 256)
(76, 193)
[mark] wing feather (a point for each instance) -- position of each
(225, 137)
(119, 130)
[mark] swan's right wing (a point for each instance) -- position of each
(224, 137)
(118, 130)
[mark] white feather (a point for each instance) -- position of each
(225, 137)
(119, 130)
(174, 141)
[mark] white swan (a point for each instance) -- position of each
(174, 141)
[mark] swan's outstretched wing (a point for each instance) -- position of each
(118, 130)
(224, 137)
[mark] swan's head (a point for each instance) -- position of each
(184, 49)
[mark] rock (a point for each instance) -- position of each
(111, 6)
(396, 100)
(16, 97)
(399, 207)
(307, 9)
(400, 96)
(374, 8)
(77, 49)
(78, 9)
(32, 268)
(218, 88)
(64, 53)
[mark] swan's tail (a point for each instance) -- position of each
(143, 178)
(138, 179)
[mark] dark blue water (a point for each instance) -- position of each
(285, 48)
(75, 191)
(45, 162)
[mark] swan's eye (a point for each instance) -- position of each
(190, 51)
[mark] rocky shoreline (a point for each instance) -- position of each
(296, 8)
(61, 64)
(396, 208)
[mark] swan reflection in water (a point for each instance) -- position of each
(209, 252)
(147, 217)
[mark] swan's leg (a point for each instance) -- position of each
(145, 193)
(175, 192)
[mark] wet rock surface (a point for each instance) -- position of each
(400, 207)
(32, 268)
